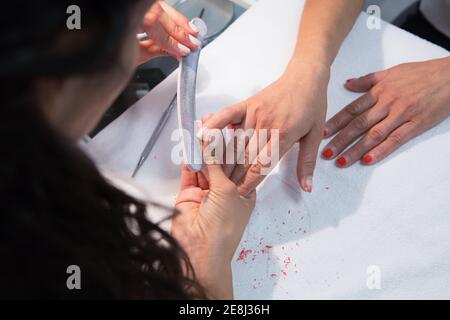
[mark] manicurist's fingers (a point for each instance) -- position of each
(178, 32)
(230, 115)
(202, 181)
(234, 114)
(266, 160)
(164, 40)
(188, 178)
(189, 191)
(148, 50)
(246, 151)
(179, 19)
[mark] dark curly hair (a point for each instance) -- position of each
(57, 210)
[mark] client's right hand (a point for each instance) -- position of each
(211, 220)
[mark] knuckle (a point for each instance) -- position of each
(376, 135)
(378, 89)
(257, 108)
(265, 121)
(355, 108)
(355, 152)
(360, 123)
(339, 142)
(255, 168)
(409, 107)
(335, 122)
(396, 138)
(178, 31)
(246, 158)
(380, 151)
(228, 111)
(283, 133)
(308, 164)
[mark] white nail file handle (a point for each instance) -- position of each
(187, 78)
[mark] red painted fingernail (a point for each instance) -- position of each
(342, 161)
(325, 132)
(327, 153)
(367, 159)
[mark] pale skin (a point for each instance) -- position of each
(399, 104)
(212, 214)
(215, 205)
(296, 103)
(172, 34)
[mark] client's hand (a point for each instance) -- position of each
(401, 103)
(295, 105)
(170, 33)
(211, 220)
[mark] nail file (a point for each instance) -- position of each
(187, 78)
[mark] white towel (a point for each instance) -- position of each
(365, 232)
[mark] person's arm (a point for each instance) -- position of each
(400, 103)
(323, 27)
(295, 103)
(211, 219)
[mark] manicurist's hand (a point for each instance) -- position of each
(170, 33)
(400, 103)
(295, 105)
(211, 220)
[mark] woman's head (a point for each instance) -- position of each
(75, 74)
(57, 210)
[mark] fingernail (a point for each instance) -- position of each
(325, 132)
(308, 184)
(193, 27)
(184, 49)
(367, 159)
(341, 161)
(328, 153)
(348, 80)
(194, 40)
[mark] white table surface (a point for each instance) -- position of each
(394, 216)
(245, 3)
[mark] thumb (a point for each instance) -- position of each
(230, 115)
(216, 176)
(307, 157)
(365, 83)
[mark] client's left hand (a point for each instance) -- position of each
(401, 103)
(170, 33)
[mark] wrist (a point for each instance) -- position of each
(303, 67)
(217, 280)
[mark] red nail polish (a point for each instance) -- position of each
(327, 153)
(325, 132)
(342, 161)
(367, 159)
